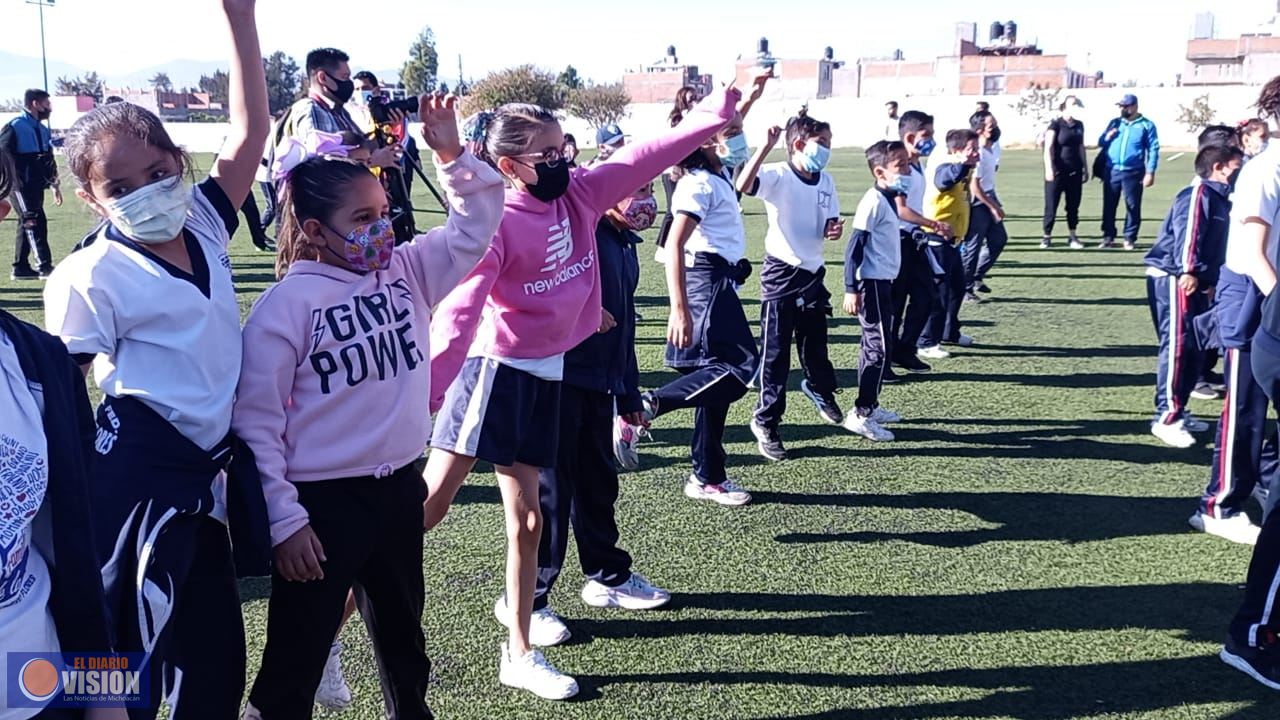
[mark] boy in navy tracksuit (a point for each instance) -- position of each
(1182, 267)
(581, 490)
(1244, 453)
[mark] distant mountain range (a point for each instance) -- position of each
(18, 73)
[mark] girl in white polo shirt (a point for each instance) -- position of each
(708, 339)
(150, 303)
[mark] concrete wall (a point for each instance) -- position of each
(859, 121)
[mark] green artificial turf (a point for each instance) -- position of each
(1021, 551)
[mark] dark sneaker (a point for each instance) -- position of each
(824, 402)
(265, 245)
(1204, 391)
(981, 287)
(45, 272)
(891, 377)
(974, 298)
(1107, 243)
(768, 441)
(913, 364)
(24, 273)
(1261, 665)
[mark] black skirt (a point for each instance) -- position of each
(721, 334)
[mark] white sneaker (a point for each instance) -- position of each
(963, 341)
(867, 427)
(533, 673)
(546, 629)
(626, 441)
(726, 493)
(1193, 423)
(1046, 243)
(1237, 528)
(1074, 243)
(884, 416)
(333, 692)
(933, 352)
(1173, 435)
(637, 593)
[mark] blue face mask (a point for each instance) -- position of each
(901, 185)
(814, 157)
(925, 146)
(737, 151)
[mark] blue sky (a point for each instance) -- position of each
(1140, 40)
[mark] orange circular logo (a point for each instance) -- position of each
(38, 679)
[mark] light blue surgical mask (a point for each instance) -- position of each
(925, 146)
(901, 185)
(737, 151)
(815, 157)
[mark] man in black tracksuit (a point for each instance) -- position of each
(30, 145)
(600, 375)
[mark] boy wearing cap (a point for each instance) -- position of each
(608, 139)
(1132, 149)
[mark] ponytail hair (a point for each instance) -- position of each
(313, 191)
(803, 127)
(506, 131)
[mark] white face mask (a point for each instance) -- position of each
(152, 214)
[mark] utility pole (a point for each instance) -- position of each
(44, 58)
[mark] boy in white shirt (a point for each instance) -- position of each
(804, 212)
(987, 236)
(872, 261)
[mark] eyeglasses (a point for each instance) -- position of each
(552, 157)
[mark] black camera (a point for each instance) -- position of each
(380, 108)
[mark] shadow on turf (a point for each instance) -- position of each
(1020, 517)
(1108, 351)
(1043, 692)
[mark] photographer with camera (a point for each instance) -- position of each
(380, 105)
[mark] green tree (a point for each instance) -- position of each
(160, 81)
(1038, 104)
(523, 84)
(217, 85)
(284, 81)
(89, 85)
(420, 71)
(599, 104)
(569, 79)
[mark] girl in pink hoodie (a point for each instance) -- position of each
(332, 401)
(504, 331)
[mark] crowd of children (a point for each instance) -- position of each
(293, 446)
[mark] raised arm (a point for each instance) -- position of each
(747, 178)
(636, 164)
(238, 162)
(444, 255)
(758, 80)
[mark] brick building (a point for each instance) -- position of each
(1245, 60)
(659, 82)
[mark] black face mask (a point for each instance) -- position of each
(552, 181)
(995, 134)
(344, 91)
(43, 114)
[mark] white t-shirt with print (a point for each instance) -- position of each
(26, 625)
(798, 212)
(882, 253)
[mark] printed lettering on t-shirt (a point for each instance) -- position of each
(24, 476)
(374, 335)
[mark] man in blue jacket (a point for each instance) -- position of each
(30, 145)
(1132, 149)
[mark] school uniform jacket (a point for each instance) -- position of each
(1193, 237)
(606, 362)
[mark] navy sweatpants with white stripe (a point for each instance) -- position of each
(1257, 622)
(914, 283)
(780, 320)
(876, 346)
(1179, 358)
(1244, 453)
